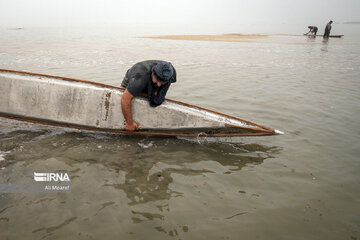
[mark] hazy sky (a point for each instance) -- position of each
(180, 16)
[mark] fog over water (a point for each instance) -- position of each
(180, 17)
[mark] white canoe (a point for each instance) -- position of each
(80, 104)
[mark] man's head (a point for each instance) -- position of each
(331, 22)
(162, 73)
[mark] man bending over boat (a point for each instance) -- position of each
(313, 30)
(152, 78)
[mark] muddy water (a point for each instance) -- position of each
(302, 185)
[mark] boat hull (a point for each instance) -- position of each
(94, 106)
(332, 36)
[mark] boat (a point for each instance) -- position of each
(332, 36)
(87, 105)
(336, 36)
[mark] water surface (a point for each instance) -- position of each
(302, 185)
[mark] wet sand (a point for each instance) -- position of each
(230, 37)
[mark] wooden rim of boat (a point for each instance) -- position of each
(260, 131)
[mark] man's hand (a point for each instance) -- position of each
(132, 126)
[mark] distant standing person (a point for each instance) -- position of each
(327, 29)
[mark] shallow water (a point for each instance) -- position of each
(301, 185)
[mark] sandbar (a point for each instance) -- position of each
(229, 37)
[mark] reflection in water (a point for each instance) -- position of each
(143, 168)
(325, 43)
(148, 171)
(310, 39)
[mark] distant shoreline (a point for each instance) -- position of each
(230, 37)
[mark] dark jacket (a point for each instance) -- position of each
(138, 80)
